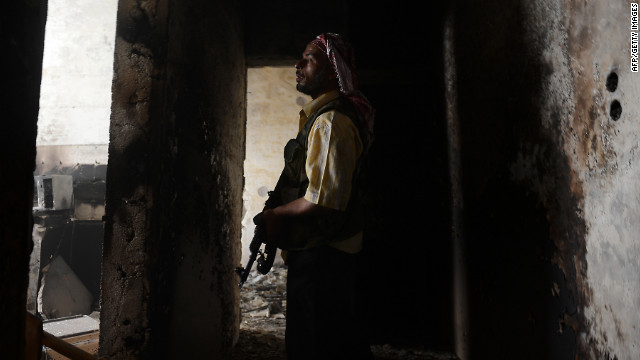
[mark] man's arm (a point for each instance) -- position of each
(277, 219)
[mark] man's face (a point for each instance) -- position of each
(314, 72)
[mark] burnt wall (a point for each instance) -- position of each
(601, 139)
(22, 38)
(508, 228)
(520, 302)
(174, 182)
(541, 180)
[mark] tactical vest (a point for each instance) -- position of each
(293, 184)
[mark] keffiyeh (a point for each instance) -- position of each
(341, 55)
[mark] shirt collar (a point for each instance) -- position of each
(320, 101)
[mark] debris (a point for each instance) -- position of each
(274, 307)
(61, 292)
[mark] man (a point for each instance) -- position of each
(320, 226)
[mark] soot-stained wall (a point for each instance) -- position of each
(548, 179)
(174, 181)
(602, 139)
(514, 224)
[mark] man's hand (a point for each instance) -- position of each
(273, 226)
(276, 220)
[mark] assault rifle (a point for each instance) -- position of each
(266, 257)
(285, 190)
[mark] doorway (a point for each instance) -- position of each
(71, 166)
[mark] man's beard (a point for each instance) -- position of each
(314, 86)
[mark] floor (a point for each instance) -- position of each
(263, 307)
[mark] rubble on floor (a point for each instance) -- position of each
(264, 307)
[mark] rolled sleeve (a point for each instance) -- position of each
(332, 153)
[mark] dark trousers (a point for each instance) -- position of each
(324, 318)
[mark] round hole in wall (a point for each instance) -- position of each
(263, 191)
(615, 110)
(612, 82)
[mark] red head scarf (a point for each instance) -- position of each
(341, 55)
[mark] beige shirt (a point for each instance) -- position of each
(334, 147)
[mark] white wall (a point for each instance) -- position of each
(75, 98)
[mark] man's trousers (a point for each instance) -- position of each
(324, 314)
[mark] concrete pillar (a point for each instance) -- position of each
(174, 182)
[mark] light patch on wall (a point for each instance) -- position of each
(273, 105)
(75, 96)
